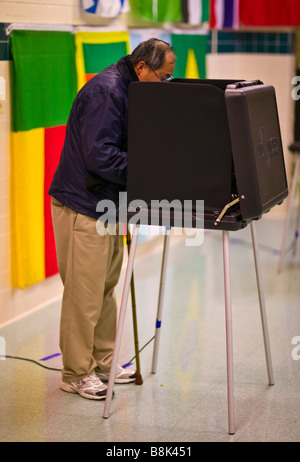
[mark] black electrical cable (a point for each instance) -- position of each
(30, 360)
(149, 341)
(59, 370)
(239, 241)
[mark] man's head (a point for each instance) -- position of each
(153, 60)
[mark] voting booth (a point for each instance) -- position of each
(215, 141)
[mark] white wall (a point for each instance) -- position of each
(54, 12)
(41, 11)
(4, 188)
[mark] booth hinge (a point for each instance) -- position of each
(227, 206)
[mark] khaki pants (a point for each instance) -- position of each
(89, 265)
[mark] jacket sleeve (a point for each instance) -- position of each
(101, 128)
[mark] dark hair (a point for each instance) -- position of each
(151, 51)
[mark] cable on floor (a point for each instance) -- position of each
(59, 370)
(30, 360)
(233, 241)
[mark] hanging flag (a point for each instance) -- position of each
(157, 10)
(42, 60)
(294, 13)
(97, 50)
(27, 211)
(190, 50)
(224, 14)
(44, 87)
(270, 12)
(105, 8)
(195, 12)
(54, 138)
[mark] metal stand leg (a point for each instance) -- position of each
(229, 337)
(160, 299)
(262, 304)
(121, 320)
(289, 211)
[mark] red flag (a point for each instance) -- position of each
(294, 12)
(54, 140)
(269, 12)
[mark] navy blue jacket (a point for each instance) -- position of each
(93, 162)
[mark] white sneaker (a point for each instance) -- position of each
(91, 387)
(122, 375)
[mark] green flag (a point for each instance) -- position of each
(97, 50)
(44, 78)
(98, 56)
(157, 10)
(190, 50)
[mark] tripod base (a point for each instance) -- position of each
(228, 318)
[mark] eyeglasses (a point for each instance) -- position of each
(162, 79)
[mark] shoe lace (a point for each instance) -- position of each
(92, 380)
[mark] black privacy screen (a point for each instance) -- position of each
(210, 140)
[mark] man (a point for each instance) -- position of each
(92, 168)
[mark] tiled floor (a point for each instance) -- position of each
(186, 400)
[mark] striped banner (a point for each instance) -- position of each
(224, 14)
(195, 12)
(44, 87)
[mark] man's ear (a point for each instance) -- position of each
(140, 66)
